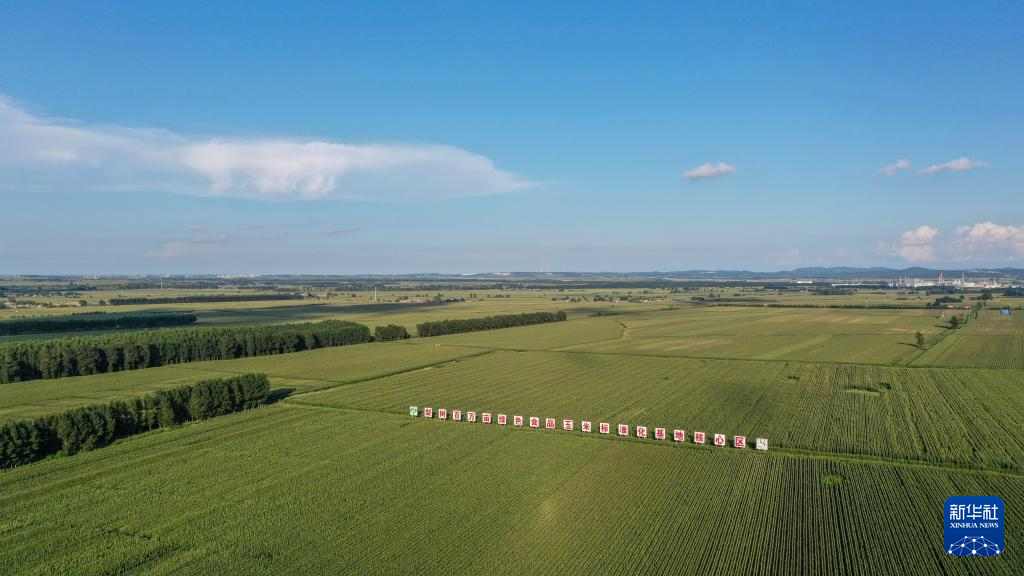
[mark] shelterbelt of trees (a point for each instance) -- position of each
(202, 298)
(92, 427)
(442, 327)
(78, 356)
(94, 321)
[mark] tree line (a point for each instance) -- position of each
(91, 427)
(94, 321)
(458, 326)
(390, 332)
(202, 298)
(84, 355)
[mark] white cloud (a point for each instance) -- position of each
(892, 169)
(959, 165)
(43, 153)
(791, 257)
(990, 237)
(343, 231)
(916, 245)
(709, 170)
(172, 250)
(983, 242)
(200, 237)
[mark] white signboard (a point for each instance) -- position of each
(679, 435)
(659, 433)
(604, 427)
(585, 426)
(457, 415)
(641, 431)
(719, 439)
(502, 419)
(761, 444)
(623, 429)
(567, 425)
(442, 413)
(699, 437)
(428, 412)
(739, 441)
(414, 411)
(517, 420)
(485, 417)
(549, 423)
(534, 422)
(470, 416)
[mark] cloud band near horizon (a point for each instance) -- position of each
(43, 153)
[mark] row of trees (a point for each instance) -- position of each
(201, 298)
(92, 427)
(97, 321)
(878, 306)
(390, 332)
(442, 327)
(77, 356)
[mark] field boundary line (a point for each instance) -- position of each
(339, 383)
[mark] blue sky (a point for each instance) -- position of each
(461, 137)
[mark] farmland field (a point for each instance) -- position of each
(335, 477)
(285, 489)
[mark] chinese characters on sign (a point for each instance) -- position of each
(622, 430)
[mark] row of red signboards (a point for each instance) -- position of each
(585, 426)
